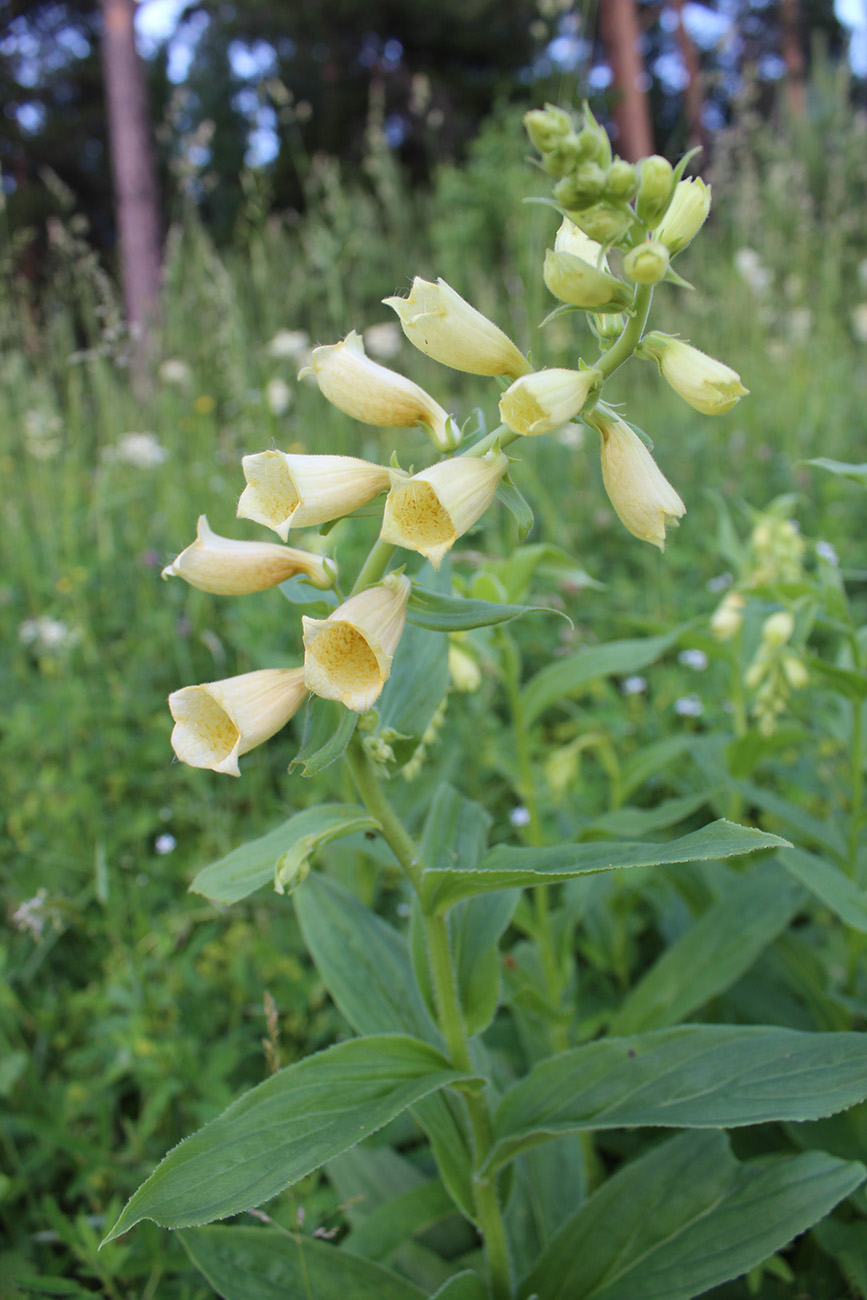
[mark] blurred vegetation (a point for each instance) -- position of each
(130, 1012)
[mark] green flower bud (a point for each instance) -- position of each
(547, 127)
(647, 263)
(581, 284)
(592, 144)
(622, 180)
(686, 215)
(582, 188)
(609, 325)
(600, 222)
(655, 188)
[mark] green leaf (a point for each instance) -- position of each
(550, 1182)
(830, 885)
(694, 1076)
(714, 952)
(285, 1128)
(793, 816)
(746, 753)
(686, 1217)
(566, 676)
(362, 960)
(269, 1264)
(842, 468)
(519, 507)
(319, 603)
(456, 831)
(508, 867)
(251, 866)
(326, 736)
(440, 613)
(387, 1227)
(851, 682)
(415, 689)
(366, 968)
(463, 1286)
(646, 821)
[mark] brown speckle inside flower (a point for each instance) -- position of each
(416, 510)
(341, 666)
(204, 734)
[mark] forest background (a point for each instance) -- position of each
(309, 159)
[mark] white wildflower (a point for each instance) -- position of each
(141, 450)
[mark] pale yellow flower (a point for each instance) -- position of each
(440, 323)
(705, 383)
(728, 617)
(543, 401)
(286, 491)
(219, 721)
(347, 656)
(227, 567)
(430, 511)
(376, 395)
(686, 215)
(645, 501)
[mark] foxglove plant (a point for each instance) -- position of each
(504, 1169)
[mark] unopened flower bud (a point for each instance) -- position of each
(296, 491)
(706, 384)
(547, 127)
(607, 225)
(778, 629)
(430, 511)
(347, 656)
(642, 496)
(609, 325)
(376, 395)
(581, 284)
(564, 158)
(728, 617)
(686, 215)
(797, 674)
(543, 401)
(441, 324)
(655, 187)
(218, 722)
(226, 567)
(587, 184)
(622, 180)
(647, 263)
(464, 672)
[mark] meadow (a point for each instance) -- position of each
(132, 1011)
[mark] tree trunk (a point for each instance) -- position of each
(620, 32)
(793, 56)
(135, 187)
(693, 97)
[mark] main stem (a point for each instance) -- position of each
(450, 1016)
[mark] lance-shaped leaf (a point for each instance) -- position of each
(842, 468)
(270, 1264)
(830, 886)
(714, 952)
(686, 1217)
(366, 968)
(464, 1286)
(438, 613)
(328, 729)
(508, 867)
(566, 676)
(286, 1127)
(694, 1076)
(247, 868)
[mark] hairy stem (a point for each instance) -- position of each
(449, 1015)
(374, 566)
(629, 340)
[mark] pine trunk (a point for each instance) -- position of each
(620, 32)
(136, 201)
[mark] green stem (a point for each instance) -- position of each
(367, 783)
(450, 1017)
(374, 566)
(623, 349)
(502, 435)
(739, 719)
